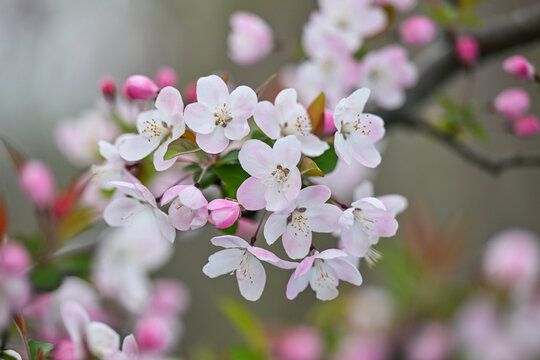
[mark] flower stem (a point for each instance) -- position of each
(254, 237)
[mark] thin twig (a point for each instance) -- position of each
(254, 237)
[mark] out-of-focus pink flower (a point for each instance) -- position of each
(417, 30)
(519, 67)
(14, 258)
(141, 87)
(153, 335)
(190, 92)
(365, 347)
(299, 343)
(250, 39)
(166, 76)
(223, 213)
(329, 126)
(467, 50)
(38, 183)
(400, 5)
(169, 298)
(246, 228)
(527, 126)
(512, 103)
(108, 87)
(65, 350)
(512, 259)
(432, 343)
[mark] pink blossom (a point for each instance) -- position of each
(246, 227)
(387, 73)
(275, 180)
(323, 272)
(299, 343)
(169, 299)
(512, 103)
(519, 67)
(14, 258)
(400, 5)
(250, 39)
(527, 126)
(512, 259)
(357, 132)
(223, 212)
(300, 217)
(329, 126)
(141, 87)
(218, 116)
(190, 92)
(166, 76)
(38, 183)
(417, 30)
(65, 350)
(287, 117)
(245, 259)
(432, 343)
(108, 87)
(153, 335)
(467, 49)
(188, 208)
(365, 347)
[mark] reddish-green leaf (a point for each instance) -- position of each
(316, 114)
(310, 168)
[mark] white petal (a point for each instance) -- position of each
(287, 151)
(169, 101)
(166, 230)
(200, 118)
(102, 340)
(297, 285)
(275, 227)
(223, 262)
(212, 91)
(251, 278)
(267, 119)
(137, 147)
(324, 282)
(229, 241)
(214, 142)
(343, 148)
(242, 102)
(345, 271)
(121, 211)
(312, 145)
(256, 158)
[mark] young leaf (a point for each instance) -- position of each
(230, 158)
(327, 161)
(232, 174)
(180, 147)
(310, 168)
(37, 346)
(188, 134)
(316, 114)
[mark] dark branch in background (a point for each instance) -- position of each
(437, 62)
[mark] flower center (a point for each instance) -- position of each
(187, 211)
(154, 128)
(358, 126)
(223, 116)
(366, 222)
(243, 271)
(280, 174)
(323, 278)
(300, 126)
(299, 222)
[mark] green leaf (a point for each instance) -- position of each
(444, 14)
(245, 323)
(327, 161)
(179, 147)
(231, 230)
(243, 353)
(232, 174)
(316, 114)
(35, 346)
(208, 179)
(230, 158)
(310, 168)
(45, 278)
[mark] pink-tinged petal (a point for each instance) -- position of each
(223, 262)
(181, 217)
(384, 223)
(286, 98)
(144, 193)
(368, 203)
(312, 145)
(374, 127)
(355, 241)
(315, 195)
(237, 129)
(304, 266)
(324, 218)
(251, 194)
(373, 21)
(352, 105)
(331, 254)
(275, 227)
(102, 340)
(343, 148)
(251, 278)
(297, 284)
(200, 219)
(263, 254)
(275, 198)
(287, 151)
(172, 193)
(212, 91)
(267, 119)
(169, 101)
(324, 282)
(284, 264)
(121, 211)
(291, 188)
(165, 229)
(367, 155)
(390, 98)
(137, 147)
(192, 197)
(159, 162)
(345, 271)
(108, 150)
(200, 118)
(365, 189)
(213, 143)
(242, 102)
(296, 241)
(229, 241)
(130, 348)
(75, 321)
(395, 204)
(256, 158)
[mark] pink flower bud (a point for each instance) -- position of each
(526, 126)
(467, 50)
(166, 76)
(140, 87)
(300, 343)
(512, 103)
(190, 92)
(432, 343)
(519, 67)
(417, 30)
(512, 259)
(14, 258)
(153, 335)
(223, 213)
(329, 126)
(108, 87)
(37, 182)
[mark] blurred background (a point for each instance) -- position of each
(53, 53)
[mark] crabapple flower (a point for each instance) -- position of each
(519, 67)
(467, 50)
(157, 129)
(323, 271)
(140, 87)
(527, 126)
(38, 183)
(138, 204)
(387, 73)
(250, 38)
(394, 203)
(432, 343)
(275, 180)
(307, 213)
(153, 335)
(188, 209)
(299, 343)
(363, 224)
(218, 116)
(357, 132)
(417, 30)
(166, 76)
(223, 212)
(512, 103)
(288, 117)
(114, 167)
(245, 259)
